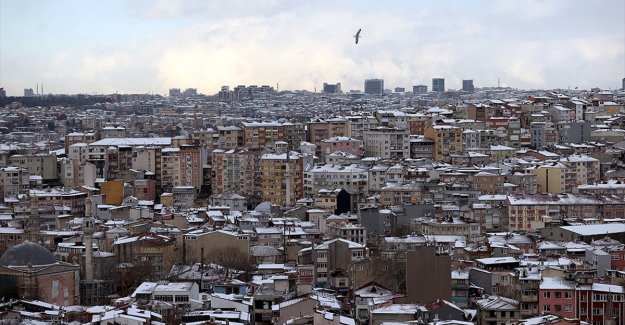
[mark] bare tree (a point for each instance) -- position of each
(231, 258)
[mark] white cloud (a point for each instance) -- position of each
(300, 46)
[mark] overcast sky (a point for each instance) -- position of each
(85, 46)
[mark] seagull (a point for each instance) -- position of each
(357, 36)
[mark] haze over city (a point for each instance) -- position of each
(150, 46)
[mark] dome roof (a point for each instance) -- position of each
(25, 254)
(264, 207)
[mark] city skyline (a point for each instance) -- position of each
(140, 47)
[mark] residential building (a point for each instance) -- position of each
(496, 310)
(282, 177)
(447, 141)
(387, 142)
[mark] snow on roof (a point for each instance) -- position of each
(398, 309)
(556, 283)
(351, 244)
(294, 155)
(597, 229)
(607, 288)
(498, 303)
(145, 288)
(174, 286)
(497, 260)
(133, 142)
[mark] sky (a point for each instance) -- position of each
(149, 46)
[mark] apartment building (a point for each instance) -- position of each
(318, 130)
(235, 171)
(37, 164)
(192, 161)
(170, 169)
(282, 177)
(230, 137)
(13, 181)
(352, 178)
(358, 124)
(387, 143)
(342, 144)
(447, 141)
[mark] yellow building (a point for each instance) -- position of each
(447, 140)
(550, 177)
(500, 152)
(275, 185)
(113, 191)
(167, 199)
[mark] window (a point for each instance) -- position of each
(546, 307)
(600, 297)
(182, 298)
(558, 294)
(567, 308)
(597, 311)
(568, 295)
(582, 311)
(547, 295)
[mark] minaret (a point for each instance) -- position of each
(34, 223)
(88, 228)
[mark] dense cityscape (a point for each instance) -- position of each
(255, 205)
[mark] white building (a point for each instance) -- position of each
(387, 142)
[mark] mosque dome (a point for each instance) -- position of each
(27, 254)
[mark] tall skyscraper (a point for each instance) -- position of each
(438, 84)
(332, 88)
(623, 83)
(374, 86)
(467, 85)
(419, 89)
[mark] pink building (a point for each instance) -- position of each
(344, 144)
(557, 296)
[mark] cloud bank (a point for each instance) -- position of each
(206, 44)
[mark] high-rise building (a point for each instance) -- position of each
(3, 92)
(400, 89)
(190, 92)
(374, 86)
(282, 177)
(467, 85)
(420, 89)
(174, 92)
(28, 92)
(332, 88)
(623, 83)
(438, 84)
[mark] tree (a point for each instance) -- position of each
(231, 258)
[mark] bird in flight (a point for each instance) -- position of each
(357, 36)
